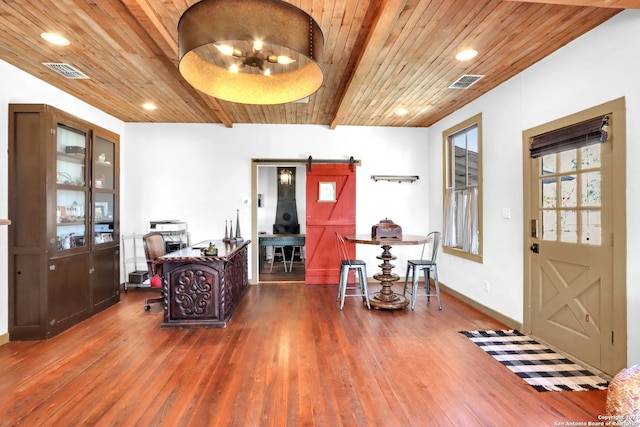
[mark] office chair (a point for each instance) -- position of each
(346, 265)
(154, 248)
(426, 266)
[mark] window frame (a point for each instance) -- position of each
(447, 181)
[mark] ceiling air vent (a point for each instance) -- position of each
(465, 81)
(66, 70)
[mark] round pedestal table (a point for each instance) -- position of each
(386, 298)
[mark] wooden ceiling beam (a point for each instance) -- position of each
(387, 15)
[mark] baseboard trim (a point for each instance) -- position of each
(4, 338)
(514, 324)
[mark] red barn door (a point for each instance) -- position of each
(331, 207)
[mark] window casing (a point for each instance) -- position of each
(463, 189)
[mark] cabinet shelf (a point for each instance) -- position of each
(71, 157)
(63, 223)
(72, 187)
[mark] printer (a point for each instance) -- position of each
(174, 232)
(168, 226)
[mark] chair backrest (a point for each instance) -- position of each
(153, 248)
(433, 238)
(342, 247)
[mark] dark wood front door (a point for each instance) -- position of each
(331, 207)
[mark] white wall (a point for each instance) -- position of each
(601, 66)
(200, 173)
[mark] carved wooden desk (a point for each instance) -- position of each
(202, 291)
(386, 298)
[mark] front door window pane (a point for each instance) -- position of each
(568, 161)
(549, 193)
(549, 226)
(569, 224)
(568, 184)
(591, 189)
(548, 164)
(591, 227)
(591, 156)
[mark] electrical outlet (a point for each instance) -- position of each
(486, 286)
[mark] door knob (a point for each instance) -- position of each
(535, 248)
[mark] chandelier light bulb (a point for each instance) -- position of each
(225, 49)
(285, 60)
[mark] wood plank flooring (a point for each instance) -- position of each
(278, 275)
(289, 357)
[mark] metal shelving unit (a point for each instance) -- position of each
(134, 262)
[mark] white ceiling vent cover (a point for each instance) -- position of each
(465, 81)
(66, 70)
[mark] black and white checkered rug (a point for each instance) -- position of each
(539, 366)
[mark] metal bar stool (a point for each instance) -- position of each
(300, 250)
(346, 265)
(284, 258)
(426, 265)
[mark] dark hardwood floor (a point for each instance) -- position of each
(289, 357)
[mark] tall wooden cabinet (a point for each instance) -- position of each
(64, 206)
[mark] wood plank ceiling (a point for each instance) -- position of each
(380, 55)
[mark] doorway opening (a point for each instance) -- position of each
(279, 209)
(265, 179)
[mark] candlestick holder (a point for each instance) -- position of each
(238, 235)
(226, 232)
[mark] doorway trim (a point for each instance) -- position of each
(619, 243)
(309, 161)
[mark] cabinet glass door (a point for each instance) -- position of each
(71, 192)
(103, 164)
(103, 218)
(104, 184)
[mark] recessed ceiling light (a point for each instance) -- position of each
(466, 55)
(402, 111)
(149, 106)
(55, 39)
